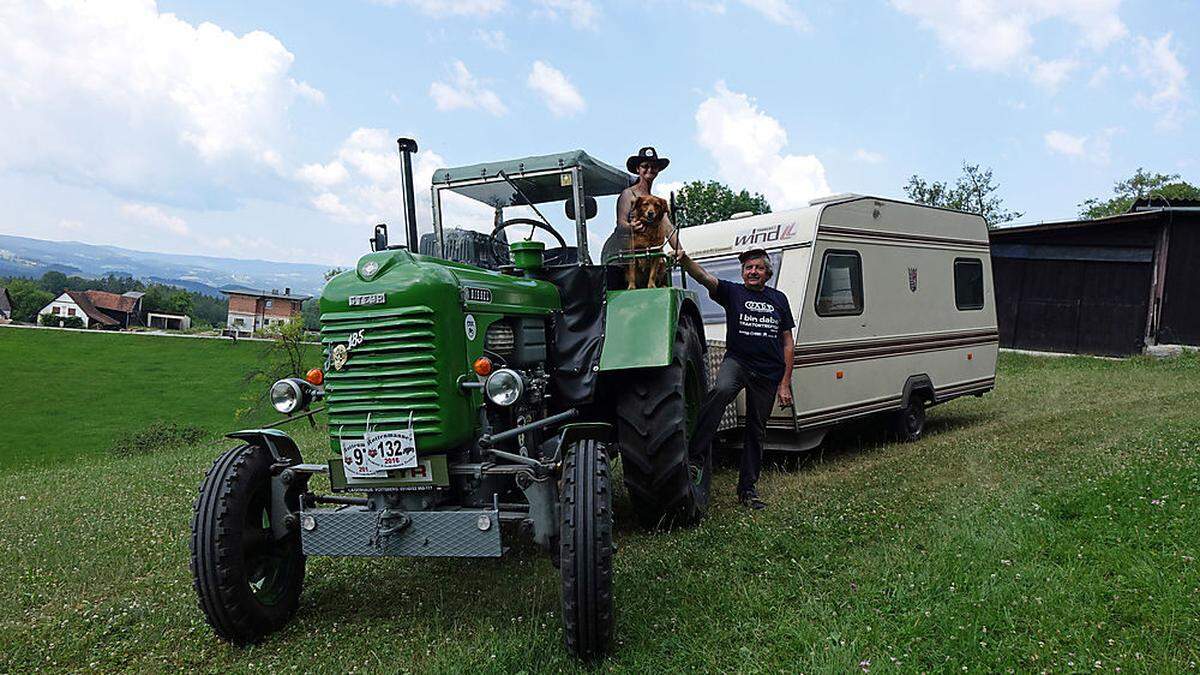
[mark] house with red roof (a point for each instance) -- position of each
(96, 309)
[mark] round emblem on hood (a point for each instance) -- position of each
(339, 357)
(369, 269)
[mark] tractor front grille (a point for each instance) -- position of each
(391, 375)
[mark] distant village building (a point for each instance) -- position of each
(168, 321)
(254, 310)
(97, 309)
(5, 306)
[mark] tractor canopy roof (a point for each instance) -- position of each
(542, 178)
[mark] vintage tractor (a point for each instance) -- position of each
(476, 390)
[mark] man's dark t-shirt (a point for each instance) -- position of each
(753, 321)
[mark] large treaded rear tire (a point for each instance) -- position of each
(247, 583)
(586, 550)
(656, 414)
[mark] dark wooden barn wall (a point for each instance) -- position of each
(1074, 306)
(1179, 321)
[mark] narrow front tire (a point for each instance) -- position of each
(586, 550)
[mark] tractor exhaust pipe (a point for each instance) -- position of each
(407, 147)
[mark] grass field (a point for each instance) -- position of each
(70, 395)
(1048, 526)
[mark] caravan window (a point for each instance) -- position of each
(840, 292)
(728, 269)
(968, 283)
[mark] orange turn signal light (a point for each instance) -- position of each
(315, 377)
(482, 366)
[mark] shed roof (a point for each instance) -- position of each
(265, 294)
(84, 302)
(112, 301)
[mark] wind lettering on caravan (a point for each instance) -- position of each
(765, 234)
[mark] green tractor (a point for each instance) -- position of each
(477, 390)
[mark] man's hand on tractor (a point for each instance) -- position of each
(785, 394)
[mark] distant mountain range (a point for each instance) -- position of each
(25, 257)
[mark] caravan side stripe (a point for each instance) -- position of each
(807, 356)
(904, 237)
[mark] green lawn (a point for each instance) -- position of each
(1050, 525)
(69, 395)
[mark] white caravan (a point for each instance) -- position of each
(893, 301)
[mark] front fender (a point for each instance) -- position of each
(640, 325)
(282, 447)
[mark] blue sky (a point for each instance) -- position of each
(266, 129)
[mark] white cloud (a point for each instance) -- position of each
(781, 12)
(371, 191)
(997, 35)
(492, 39)
(557, 92)
(1062, 143)
(748, 147)
(1099, 76)
(156, 217)
(1050, 75)
(1159, 65)
(119, 95)
(443, 8)
(582, 14)
(323, 175)
(869, 157)
(465, 91)
(1096, 149)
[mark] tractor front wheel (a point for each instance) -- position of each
(586, 550)
(248, 581)
(656, 416)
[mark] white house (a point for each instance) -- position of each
(78, 304)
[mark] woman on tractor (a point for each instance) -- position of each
(646, 164)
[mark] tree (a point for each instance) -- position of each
(1140, 185)
(333, 272)
(28, 298)
(709, 201)
(973, 192)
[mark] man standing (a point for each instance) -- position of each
(758, 359)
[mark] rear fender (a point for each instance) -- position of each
(640, 325)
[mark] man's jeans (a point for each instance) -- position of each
(760, 398)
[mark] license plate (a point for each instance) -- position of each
(354, 459)
(388, 450)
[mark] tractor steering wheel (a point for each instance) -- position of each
(498, 245)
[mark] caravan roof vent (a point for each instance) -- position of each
(840, 197)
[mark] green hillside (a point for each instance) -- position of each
(71, 395)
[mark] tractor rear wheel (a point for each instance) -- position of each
(586, 550)
(248, 582)
(656, 415)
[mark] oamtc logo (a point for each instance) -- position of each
(765, 234)
(756, 306)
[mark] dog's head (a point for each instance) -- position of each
(648, 211)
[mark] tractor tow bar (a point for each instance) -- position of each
(488, 440)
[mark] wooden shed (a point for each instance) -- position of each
(1110, 286)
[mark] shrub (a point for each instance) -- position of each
(157, 437)
(61, 321)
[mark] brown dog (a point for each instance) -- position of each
(647, 232)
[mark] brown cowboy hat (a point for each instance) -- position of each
(646, 154)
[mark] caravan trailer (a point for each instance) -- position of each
(893, 303)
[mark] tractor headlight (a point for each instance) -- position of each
(504, 387)
(287, 395)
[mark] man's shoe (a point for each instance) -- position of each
(750, 499)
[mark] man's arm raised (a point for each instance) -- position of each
(696, 272)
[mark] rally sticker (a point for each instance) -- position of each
(391, 449)
(354, 459)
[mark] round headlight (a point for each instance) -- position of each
(286, 396)
(504, 387)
